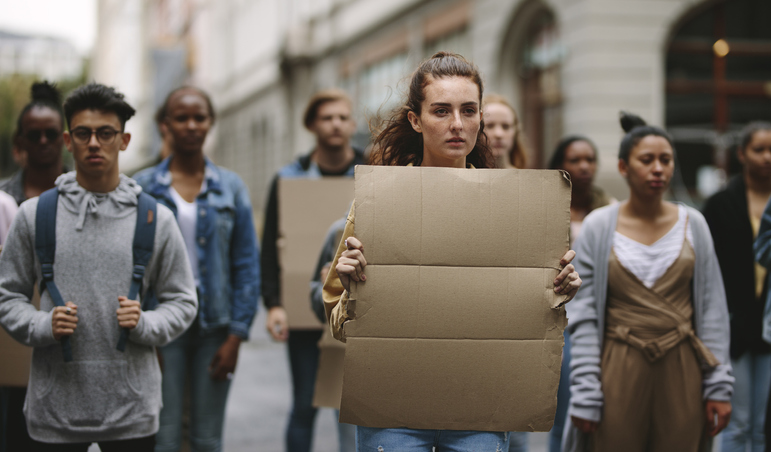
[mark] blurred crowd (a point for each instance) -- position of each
(666, 344)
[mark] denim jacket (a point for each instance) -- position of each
(228, 255)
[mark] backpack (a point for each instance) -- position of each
(45, 248)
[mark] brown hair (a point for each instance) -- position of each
(519, 152)
(398, 144)
(321, 98)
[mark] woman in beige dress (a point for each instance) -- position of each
(650, 368)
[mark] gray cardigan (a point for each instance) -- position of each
(586, 313)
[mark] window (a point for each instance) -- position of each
(718, 71)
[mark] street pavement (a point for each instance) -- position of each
(260, 398)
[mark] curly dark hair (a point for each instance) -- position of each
(95, 96)
(398, 144)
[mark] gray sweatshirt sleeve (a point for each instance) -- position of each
(171, 279)
(326, 257)
(18, 277)
(586, 397)
(712, 324)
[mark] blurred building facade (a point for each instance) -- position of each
(47, 57)
(568, 66)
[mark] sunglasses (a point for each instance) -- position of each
(35, 135)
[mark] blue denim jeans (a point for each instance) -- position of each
(411, 440)
(304, 361)
(191, 354)
(753, 377)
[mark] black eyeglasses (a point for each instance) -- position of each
(35, 135)
(105, 135)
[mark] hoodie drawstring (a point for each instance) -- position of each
(87, 205)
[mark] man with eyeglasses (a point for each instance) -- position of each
(94, 391)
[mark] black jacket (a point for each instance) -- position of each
(728, 217)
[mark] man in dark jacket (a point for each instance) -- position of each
(329, 117)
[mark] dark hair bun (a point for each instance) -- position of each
(630, 120)
(46, 93)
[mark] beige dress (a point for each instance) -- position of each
(650, 367)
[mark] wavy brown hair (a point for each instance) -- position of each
(398, 144)
(519, 151)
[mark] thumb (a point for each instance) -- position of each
(215, 361)
(710, 415)
(70, 304)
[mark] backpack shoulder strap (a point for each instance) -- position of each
(45, 248)
(142, 250)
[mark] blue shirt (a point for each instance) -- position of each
(228, 255)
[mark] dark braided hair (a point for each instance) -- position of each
(636, 129)
(44, 95)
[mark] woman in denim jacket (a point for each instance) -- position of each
(214, 213)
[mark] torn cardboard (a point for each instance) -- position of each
(306, 209)
(457, 326)
(329, 376)
(16, 358)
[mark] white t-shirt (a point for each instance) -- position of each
(649, 262)
(187, 218)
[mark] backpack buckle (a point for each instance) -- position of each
(47, 270)
(138, 273)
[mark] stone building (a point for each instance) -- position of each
(701, 68)
(47, 57)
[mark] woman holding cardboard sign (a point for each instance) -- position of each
(650, 362)
(440, 125)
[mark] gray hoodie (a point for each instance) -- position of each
(103, 394)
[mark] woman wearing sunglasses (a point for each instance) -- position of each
(38, 138)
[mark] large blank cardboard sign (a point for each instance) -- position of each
(457, 326)
(307, 207)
